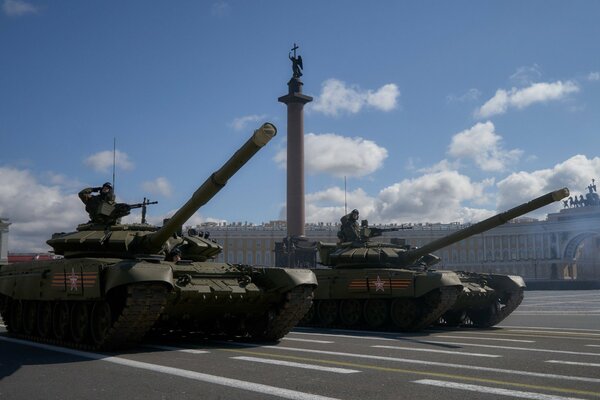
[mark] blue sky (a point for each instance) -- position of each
(434, 111)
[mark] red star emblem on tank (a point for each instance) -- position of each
(379, 285)
(73, 280)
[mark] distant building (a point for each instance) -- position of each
(4, 240)
(564, 246)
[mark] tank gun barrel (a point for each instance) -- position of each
(487, 224)
(211, 186)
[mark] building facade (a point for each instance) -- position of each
(564, 246)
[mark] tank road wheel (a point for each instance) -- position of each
(486, 317)
(60, 320)
(327, 312)
(350, 312)
(15, 317)
(29, 317)
(454, 318)
(44, 319)
(101, 322)
(404, 313)
(309, 317)
(376, 313)
(80, 322)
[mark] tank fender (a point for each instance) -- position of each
(285, 279)
(127, 272)
(505, 282)
(430, 281)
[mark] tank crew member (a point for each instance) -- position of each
(174, 255)
(94, 203)
(349, 231)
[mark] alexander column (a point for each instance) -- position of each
(295, 102)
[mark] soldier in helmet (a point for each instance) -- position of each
(350, 230)
(93, 203)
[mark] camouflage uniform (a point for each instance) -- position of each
(350, 230)
(94, 203)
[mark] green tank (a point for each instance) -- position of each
(115, 284)
(369, 284)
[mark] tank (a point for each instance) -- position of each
(369, 284)
(115, 282)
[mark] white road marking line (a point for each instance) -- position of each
(593, 345)
(307, 340)
(547, 328)
(557, 332)
(198, 376)
(492, 390)
(484, 338)
(347, 336)
(574, 363)
(431, 363)
(180, 349)
(573, 312)
(437, 351)
(492, 346)
(297, 365)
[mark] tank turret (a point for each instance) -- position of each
(365, 253)
(142, 240)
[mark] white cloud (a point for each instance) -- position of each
(434, 197)
(159, 186)
(328, 205)
(521, 98)
(36, 210)
(103, 161)
(338, 155)
(336, 97)
(594, 76)
(526, 75)
(384, 98)
(470, 95)
(241, 123)
(16, 8)
(575, 173)
(481, 144)
(220, 9)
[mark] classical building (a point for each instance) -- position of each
(566, 245)
(4, 240)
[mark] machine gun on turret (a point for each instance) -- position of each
(367, 232)
(110, 214)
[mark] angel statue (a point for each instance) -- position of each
(296, 62)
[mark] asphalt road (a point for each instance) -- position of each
(548, 349)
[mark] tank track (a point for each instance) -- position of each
(497, 311)
(142, 307)
(280, 321)
(447, 298)
(425, 312)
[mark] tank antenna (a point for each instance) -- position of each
(114, 160)
(345, 202)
